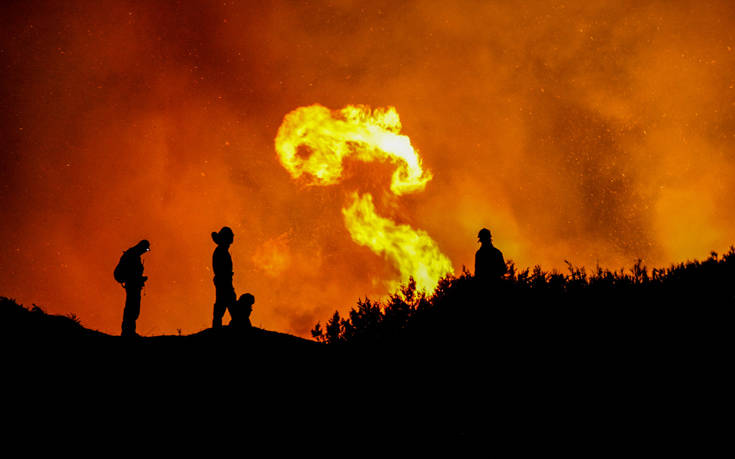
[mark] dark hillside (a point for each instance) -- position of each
(601, 356)
(540, 361)
(26, 329)
(159, 386)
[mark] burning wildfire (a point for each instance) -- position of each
(311, 140)
(315, 141)
(594, 132)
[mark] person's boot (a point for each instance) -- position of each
(128, 331)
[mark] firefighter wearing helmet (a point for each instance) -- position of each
(489, 262)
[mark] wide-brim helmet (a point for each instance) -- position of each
(224, 236)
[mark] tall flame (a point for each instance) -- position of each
(311, 140)
(413, 252)
(315, 141)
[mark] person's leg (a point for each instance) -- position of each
(131, 312)
(225, 296)
(220, 305)
(219, 312)
(231, 300)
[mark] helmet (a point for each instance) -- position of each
(246, 298)
(225, 236)
(484, 235)
(143, 246)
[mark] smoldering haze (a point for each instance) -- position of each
(592, 132)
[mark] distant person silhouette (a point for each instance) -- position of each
(222, 266)
(241, 311)
(129, 272)
(489, 262)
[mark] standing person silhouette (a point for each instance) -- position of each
(489, 262)
(222, 266)
(129, 272)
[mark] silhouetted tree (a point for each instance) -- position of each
(334, 329)
(317, 333)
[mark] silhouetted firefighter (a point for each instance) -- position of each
(489, 262)
(222, 266)
(129, 272)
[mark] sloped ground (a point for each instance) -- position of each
(627, 365)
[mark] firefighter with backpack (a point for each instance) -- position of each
(129, 272)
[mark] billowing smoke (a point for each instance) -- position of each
(596, 132)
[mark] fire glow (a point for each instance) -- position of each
(314, 141)
(593, 132)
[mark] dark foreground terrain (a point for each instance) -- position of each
(607, 363)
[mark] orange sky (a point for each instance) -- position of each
(591, 133)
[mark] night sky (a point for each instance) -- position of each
(594, 133)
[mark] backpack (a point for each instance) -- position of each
(122, 270)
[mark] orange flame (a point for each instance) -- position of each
(311, 140)
(413, 252)
(315, 141)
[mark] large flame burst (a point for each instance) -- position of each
(313, 142)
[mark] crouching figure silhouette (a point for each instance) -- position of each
(241, 311)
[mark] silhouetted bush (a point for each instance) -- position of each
(622, 306)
